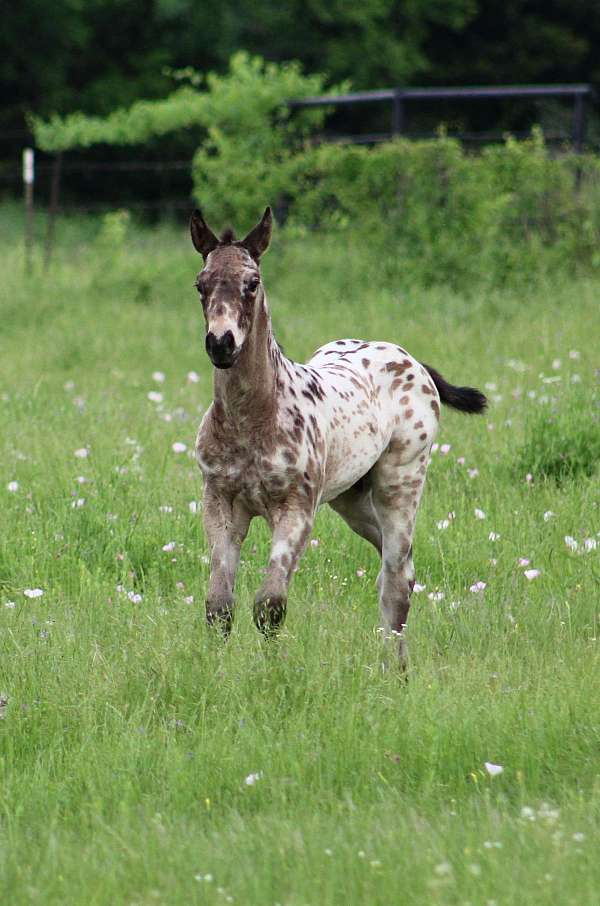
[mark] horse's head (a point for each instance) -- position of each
(229, 285)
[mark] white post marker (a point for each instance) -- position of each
(28, 166)
(28, 179)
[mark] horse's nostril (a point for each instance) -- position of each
(220, 349)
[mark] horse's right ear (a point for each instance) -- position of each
(257, 240)
(202, 236)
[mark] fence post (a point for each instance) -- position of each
(398, 112)
(53, 209)
(578, 124)
(28, 178)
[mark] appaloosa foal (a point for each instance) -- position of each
(352, 428)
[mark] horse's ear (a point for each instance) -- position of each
(202, 236)
(257, 240)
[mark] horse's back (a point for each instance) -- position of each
(377, 396)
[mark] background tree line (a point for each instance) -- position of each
(97, 55)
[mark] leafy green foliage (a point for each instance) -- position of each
(134, 125)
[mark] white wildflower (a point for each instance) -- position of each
(251, 779)
(444, 868)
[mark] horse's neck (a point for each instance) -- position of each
(247, 393)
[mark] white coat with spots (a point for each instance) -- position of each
(353, 427)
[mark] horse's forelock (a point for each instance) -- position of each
(227, 237)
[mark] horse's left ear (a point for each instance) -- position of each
(202, 236)
(257, 240)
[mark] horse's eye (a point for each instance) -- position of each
(252, 285)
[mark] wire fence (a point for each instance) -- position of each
(61, 180)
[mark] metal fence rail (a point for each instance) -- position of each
(399, 97)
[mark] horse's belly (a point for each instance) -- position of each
(350, 456)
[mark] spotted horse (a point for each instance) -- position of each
(353, 427)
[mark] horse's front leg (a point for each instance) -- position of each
(291, 528)
(226, 524)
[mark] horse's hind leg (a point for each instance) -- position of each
(397, 489)
(355, 506)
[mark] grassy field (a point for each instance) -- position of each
(143, 761)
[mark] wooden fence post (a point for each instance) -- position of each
(28, 179)
(53, 209)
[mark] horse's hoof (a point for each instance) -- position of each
(269, 615)
(220, 618)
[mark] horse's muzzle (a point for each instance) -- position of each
(221, 351)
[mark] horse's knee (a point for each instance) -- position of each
(269, 613)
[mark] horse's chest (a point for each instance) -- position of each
(256, 474)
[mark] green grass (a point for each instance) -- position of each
(128, 732)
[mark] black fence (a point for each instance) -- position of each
(400, 98)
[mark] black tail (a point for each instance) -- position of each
(467, 399)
